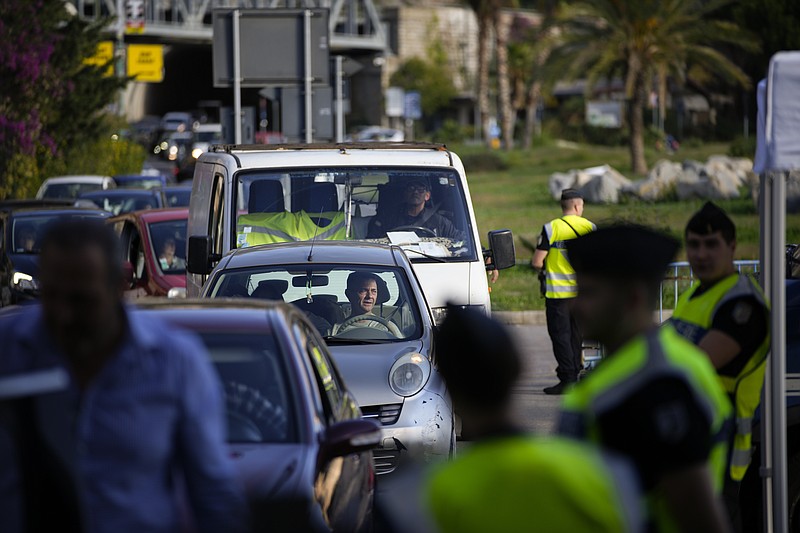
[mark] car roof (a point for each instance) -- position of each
(131, 177)
(350, 253)
(62, 211)
(77, 179)
(178, 187)
(29, 203)
(237, 314)
(119, 192)
(332, 155)
(156, 215)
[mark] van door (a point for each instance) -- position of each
(199, 216)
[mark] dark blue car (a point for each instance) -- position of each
(119, 201)
(22, 225)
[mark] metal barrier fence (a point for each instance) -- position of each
(679, 278)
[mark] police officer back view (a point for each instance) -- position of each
(509, 481)
(561, 286)
(655, 398)
(726, 315)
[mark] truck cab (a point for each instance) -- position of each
(246, 196)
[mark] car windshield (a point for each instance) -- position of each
(178, 197)
(118, 204)
(140, 183)
(257, 395)
(422, 210)
(346, 304)
(69, 190)
(27, 230)
(169, 245)
(208, 136)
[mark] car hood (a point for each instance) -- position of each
(365, 369)
(27, 263)
(270, 470)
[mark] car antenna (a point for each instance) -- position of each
(316, 230)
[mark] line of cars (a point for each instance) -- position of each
(323, 338)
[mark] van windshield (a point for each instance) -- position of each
(423, 210)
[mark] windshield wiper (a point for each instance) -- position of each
(331, 339)
(427, 256)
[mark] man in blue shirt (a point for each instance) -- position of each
(143, 417)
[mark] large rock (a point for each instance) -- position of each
(560, 181)
(660, 181)
(605, 186)
(792, 191)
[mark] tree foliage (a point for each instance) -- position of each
(641, 41)
(51, 101)
(430, 77)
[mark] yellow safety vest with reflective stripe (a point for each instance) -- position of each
(693, 318)
(534, 484)
(662, 352)
(270, 228)
(559, 275)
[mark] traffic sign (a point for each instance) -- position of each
(104, 55)
(413, 105)
(146, 62)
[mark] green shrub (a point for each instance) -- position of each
(741, 147)
(484, 162)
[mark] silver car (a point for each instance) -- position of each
(367, 303)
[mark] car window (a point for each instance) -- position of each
(325, 380)
(69, 190)
(258, 396)
(423, 210)
(27, 230)
(215, 221)
(343, 303)
(136, 255)
(169, 245)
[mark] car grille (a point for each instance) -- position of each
(385, 461)
(387, 414)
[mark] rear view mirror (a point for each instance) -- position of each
(316, 281)
(349, 436)
(501, 245)
(199, 255)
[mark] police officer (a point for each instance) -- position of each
(726, 316)
(655, 398)
(509, 481)
(561, 287)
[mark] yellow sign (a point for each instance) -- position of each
(104, 55)
(146, 62)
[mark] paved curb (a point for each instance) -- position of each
(537, 318)
(519, 318)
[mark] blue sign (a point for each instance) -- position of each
(413, 105)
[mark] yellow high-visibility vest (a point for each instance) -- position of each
(692, 318)
(534, 484)
(660, 353)
(560, 280)
(270, 228)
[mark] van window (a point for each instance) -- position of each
(215, 221)
(422, 210)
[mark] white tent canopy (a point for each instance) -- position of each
(778, 151)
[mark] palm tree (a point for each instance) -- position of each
(482, 9)
(640, 40)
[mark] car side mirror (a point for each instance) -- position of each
(349, 436)
(128, 277)
(199, 255)
(501, 249)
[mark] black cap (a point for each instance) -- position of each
(570, 194)
(418, 181)
(710, 219)
(477, 358)
(624, 251)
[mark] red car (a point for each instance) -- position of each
(153, 244)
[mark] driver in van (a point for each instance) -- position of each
(415, 212)
(364, 291)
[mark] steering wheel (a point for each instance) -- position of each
(426, 232)
(364, 318)
(248, 406)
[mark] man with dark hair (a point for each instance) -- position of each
(655, 398)
(365, 290)
(507, 480)
(561, 287)
(415, 212)
(726, 315)
(145, 405)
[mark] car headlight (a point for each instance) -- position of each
(24, 282)
(440, 313)
(409, 374)
(197, 152)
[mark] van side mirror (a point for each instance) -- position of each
(199, 255)
(501, 249)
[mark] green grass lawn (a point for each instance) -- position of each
(518, 199)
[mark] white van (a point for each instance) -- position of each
(256, 195)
